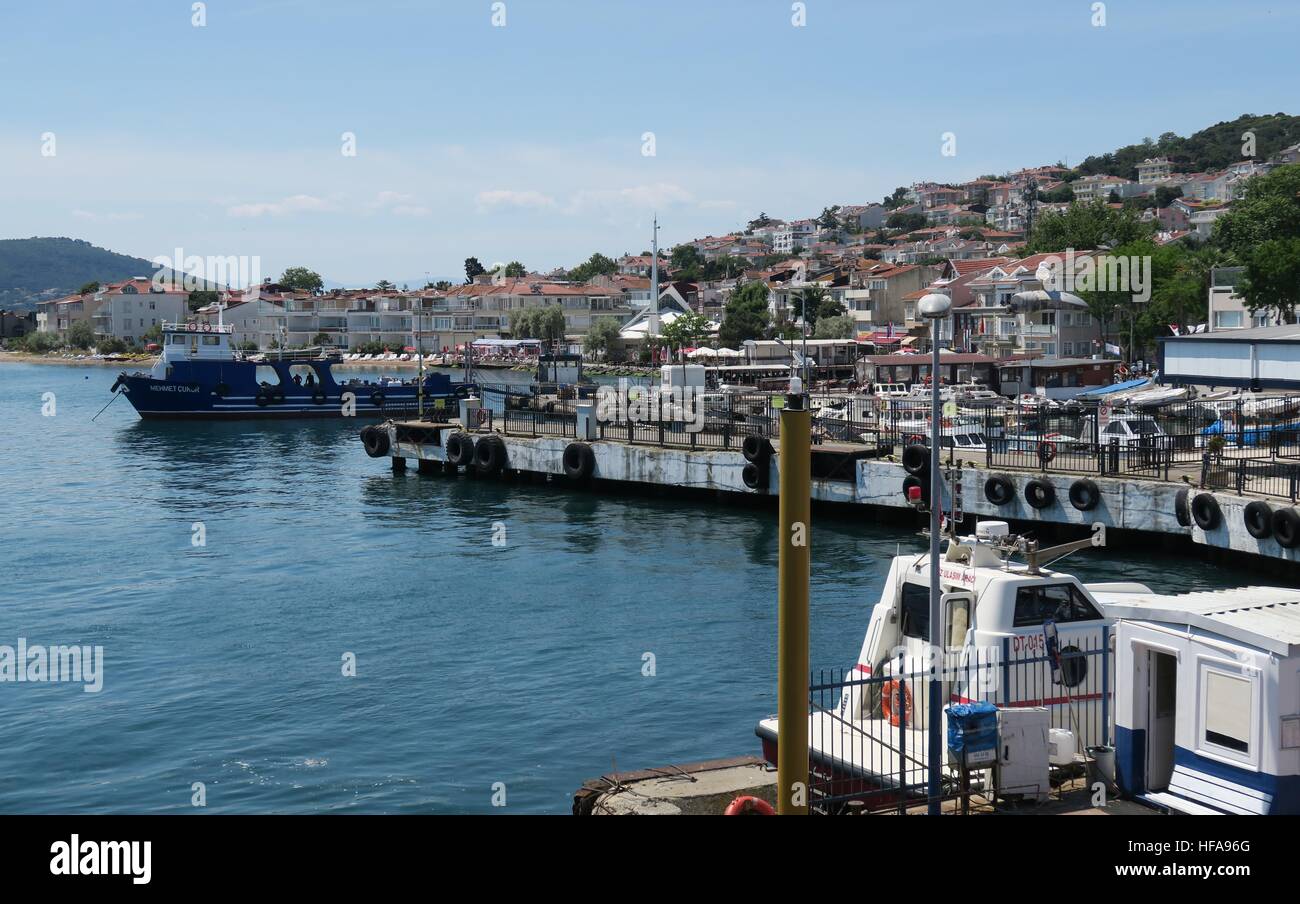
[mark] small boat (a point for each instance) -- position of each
(199, 375)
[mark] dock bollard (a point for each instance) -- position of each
(795, 504)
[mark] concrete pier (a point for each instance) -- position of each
(848, 480)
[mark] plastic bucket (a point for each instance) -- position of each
(1101, 765)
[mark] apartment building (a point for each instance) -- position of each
(58, 314)
(129, 310)
(1227, 309)
(995, 330)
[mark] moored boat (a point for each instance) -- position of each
(200, 375)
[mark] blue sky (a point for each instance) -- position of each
(525, 141)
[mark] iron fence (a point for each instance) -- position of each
(868, 735)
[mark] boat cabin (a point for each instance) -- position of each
(1207, 708)
(193, 341)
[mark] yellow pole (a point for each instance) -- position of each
(792, 603)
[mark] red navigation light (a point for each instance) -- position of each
(914, 494)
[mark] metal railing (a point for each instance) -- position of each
(868, 732)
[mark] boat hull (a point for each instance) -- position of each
(239, 390)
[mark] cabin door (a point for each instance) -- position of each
(1162, 697)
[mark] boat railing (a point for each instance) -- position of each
(872, 756)
(196, 326)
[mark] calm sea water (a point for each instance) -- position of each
(476, 664)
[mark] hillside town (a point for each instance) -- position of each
(857, 269)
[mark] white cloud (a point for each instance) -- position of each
(292, 204)
(642, 197)
(500, 197)
(399, 204)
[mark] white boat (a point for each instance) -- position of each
(1160, 395)
(1192, 691)
(1271, 407)
(872, 741)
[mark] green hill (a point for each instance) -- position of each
(35, 269)
(1209, 149)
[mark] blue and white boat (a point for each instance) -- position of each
(199, 374)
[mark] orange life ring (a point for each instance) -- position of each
(749, 806)
(1046, 451)
(889, 701)
(189, 325)
(1123, 370)
(482, 415)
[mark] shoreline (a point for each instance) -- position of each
(29, 358)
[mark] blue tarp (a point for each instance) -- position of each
(1114, 387)
(972, 729)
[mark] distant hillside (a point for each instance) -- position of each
(35, 269)
(1209, 149)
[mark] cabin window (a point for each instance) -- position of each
(266, 375)
(1060, 603)
(1227, 710)
(211, 340)
(916, 611)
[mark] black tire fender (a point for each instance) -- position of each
(1182, 510)
(1258, 517)
(756, 448)
(1084, 494)
(1040, 494)
(916, 459)
(1206, 512)
(999, 490)
(490, 455)
(460, 449)
(756, 475)
(1286, 527)
(579, 461)
(375, 440)
(377, 398)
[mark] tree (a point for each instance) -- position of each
(841, 326)
(472, 269)
(320, 339)
(1272, 279)
(596, 265)
(602, 335)
(88, 288)
(760, 221)
(815, 302)
(685, 329)
(201, 299)
(1166, 195)
(515, 269)
(442, 285)
(550, 323)
(1269, 209)
(745, 315)
(81, 334)
(897, 199)
(302, 279)
(1085, 227)
(39, 343)
(830, 217)
(907, 221)
(384, 286)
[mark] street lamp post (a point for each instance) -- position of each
(934, 307)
